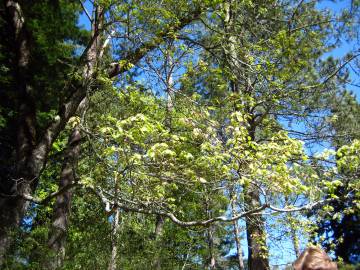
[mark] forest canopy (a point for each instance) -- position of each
(203, 134)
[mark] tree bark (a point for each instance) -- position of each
(255, 225)
(62, 206)
(114, 237)
(211, 245)
(256, 235)
(294, 238)
(159, 226)
(115, 229)
(210, 235)
(31, 155)
(13, 207)
(236, 232)
(240, 259)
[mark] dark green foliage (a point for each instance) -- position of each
(54, 37)
(342, 234)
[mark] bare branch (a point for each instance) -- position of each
(106, 43)
(105, 201)
(212, 220)
(306, 207)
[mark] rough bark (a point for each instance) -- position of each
(256, 235)
(295, 242)
(210, 237)
(159, 226)
(240, 259)
(115, 229)
(160, 221)
(13, 207)
(63, 202)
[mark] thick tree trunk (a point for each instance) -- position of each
(31, 155)
(12, 206)
(63, 202)
(11, 212)
(62, 207)
(210, 235)
(295, 242)
(258, 257)
(256, 236)
(159, 225)
(293, 234)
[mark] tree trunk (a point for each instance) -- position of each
(211, 244)
(294, 238)
(256, 236)
(295, 242)
(255, 225)
(11, 212)
(236, 232)
(31, 156)
(240, 259)
(62, 207)
(114, 237)
(210, 234)
(159, 226)
(63, 202)
(12, 206)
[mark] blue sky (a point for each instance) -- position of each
(341, 51)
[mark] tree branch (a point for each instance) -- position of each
(306, 207)
(85, 10)
(146, 209)
(47, 199)
(135, 56)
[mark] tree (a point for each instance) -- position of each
(341, 230)
(171, 149)
(34, 143)
(27, 111)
